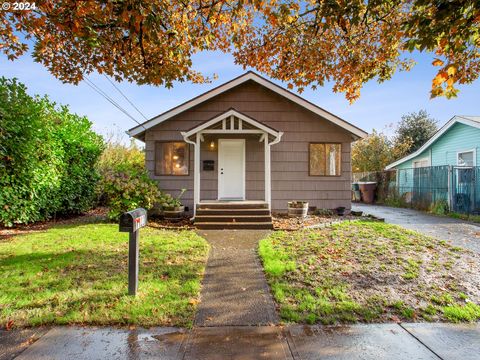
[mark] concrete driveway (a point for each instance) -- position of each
(460, 233)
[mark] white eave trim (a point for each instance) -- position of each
(440, 132)
(235, 82)
(226, 115)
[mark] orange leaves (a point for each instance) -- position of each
(304, 44)
(9, 325)
(451, 70)
(444, 81)
(441, 77)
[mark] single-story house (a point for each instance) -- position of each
(456, 143)
(447, 166)
(250, 140)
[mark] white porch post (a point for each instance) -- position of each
(196, 174)
(268, 184)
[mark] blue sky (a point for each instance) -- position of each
(380, 105)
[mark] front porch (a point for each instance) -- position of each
(232, 168)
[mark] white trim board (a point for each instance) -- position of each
(230, 113)
(427, 158)
(136, 131)
(466, 120)
(474, 151)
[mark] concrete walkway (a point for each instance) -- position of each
(234, 289)
(460, 233)
(374, 341)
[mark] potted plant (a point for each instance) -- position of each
(172, 207)
(298, 208)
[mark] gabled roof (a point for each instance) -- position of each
(140, 129)
(467, 120)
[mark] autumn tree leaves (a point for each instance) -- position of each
(304, 43)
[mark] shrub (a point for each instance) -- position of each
(119, 157)
(168, 202)
(126, 190)
(394, 199)
(440, 207)
(125, 184)
(47, 158)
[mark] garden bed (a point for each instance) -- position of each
(92, 216)
(77, 274)
(370, 272)
(184, 223)
(288, 223)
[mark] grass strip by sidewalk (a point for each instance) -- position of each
(78, 274)
(370, 272)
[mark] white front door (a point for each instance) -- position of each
(231, 169)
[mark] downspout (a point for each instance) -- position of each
(187, 140)
(277, 139)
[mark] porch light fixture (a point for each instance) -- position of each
(212, 145)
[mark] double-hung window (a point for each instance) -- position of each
(325, 159)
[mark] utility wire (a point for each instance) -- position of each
(109, 99)
(125, 96)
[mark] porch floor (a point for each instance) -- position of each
(233, 202)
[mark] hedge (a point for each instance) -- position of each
(47, 158)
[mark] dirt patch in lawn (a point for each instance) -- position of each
(370, 271)
(92, 216)
(289, 223)
(97, 215)
(182, 224)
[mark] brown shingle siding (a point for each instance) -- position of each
(290, 179)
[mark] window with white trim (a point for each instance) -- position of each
(465, 158)
(421, 163)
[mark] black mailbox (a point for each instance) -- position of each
(133, 220)
(208, 165)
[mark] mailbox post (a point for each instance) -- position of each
(132, 222)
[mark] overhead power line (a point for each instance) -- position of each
(97, 89)
(125, 96)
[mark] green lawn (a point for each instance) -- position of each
(370, 272)
(77, 274)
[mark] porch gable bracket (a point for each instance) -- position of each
(230, 115)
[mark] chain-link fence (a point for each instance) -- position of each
(452, 187)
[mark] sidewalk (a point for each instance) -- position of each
(371, 341)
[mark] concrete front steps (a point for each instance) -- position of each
(233, 215)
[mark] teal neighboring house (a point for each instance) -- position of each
(445, 168)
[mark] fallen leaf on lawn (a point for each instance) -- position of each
(29, 341)
(395, 319)
(193, 301)
(9, 325)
